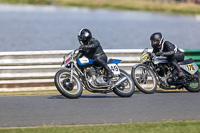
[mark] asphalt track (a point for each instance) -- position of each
(23, 111)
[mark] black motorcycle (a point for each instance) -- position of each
(156, 70)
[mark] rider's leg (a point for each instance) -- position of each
(177, 58)
(178, 68)
(102, 61)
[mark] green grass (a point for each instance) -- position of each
(138, 5)
(148, 127)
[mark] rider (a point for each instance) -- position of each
(91, 48)
(166, 48)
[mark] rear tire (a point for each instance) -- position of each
(121, 89)
(195, 85)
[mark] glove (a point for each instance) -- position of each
(159, 53)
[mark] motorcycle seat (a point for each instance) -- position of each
(109, 61)
(185, 62)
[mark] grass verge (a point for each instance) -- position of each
(138, 5)
(148, 127)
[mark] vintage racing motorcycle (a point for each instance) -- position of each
(156, 70)
(83, 73)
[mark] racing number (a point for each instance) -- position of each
(114, 68)
(190, 67)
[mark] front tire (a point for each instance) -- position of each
(194, 86)
(144, 79)
(126, 88)
(72, 90)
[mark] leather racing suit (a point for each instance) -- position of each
(93, 50)
(173, 54)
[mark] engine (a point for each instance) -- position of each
(94, 78)
(165, 73)
(168, 75)
(162, 70)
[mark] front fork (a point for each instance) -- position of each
(72, 71)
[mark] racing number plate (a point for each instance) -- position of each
(114, 68)
(190, 67)
(144, 57)
(67, 59)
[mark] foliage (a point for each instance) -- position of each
(140, 5)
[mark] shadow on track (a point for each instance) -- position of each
(171, 91)
(86, 96)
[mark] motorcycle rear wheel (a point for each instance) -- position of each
(126, 88)
(194, 86)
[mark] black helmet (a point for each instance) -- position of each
(156, 39)
(84, 36)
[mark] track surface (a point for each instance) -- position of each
(22, 111)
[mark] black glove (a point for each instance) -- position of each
(159, 53)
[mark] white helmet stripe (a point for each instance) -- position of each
(80, 31)
(175, 49)
(162, 40)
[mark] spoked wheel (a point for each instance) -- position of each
(69, 89)
(144, 79)
(127, 87)
(194, 85)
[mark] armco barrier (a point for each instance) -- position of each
(194, 54)
(36, 69)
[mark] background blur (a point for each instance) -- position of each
(29, 25)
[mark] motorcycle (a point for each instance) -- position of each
(79, 73)
(156, 70)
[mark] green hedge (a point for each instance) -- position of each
(194, 54)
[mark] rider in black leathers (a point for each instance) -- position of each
(166, 48)
(91, 48)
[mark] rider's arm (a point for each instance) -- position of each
(154, 51)
(79, 55)
(170, 53)
(94, 44)
(170, 49)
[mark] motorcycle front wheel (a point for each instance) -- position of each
(127, 87)
(144, 79)
(70, 89)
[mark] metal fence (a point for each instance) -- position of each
(31, 70)
(37, 68)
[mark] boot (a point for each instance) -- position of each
(110, 75)
(181, 74)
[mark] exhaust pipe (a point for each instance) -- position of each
(119, 82)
